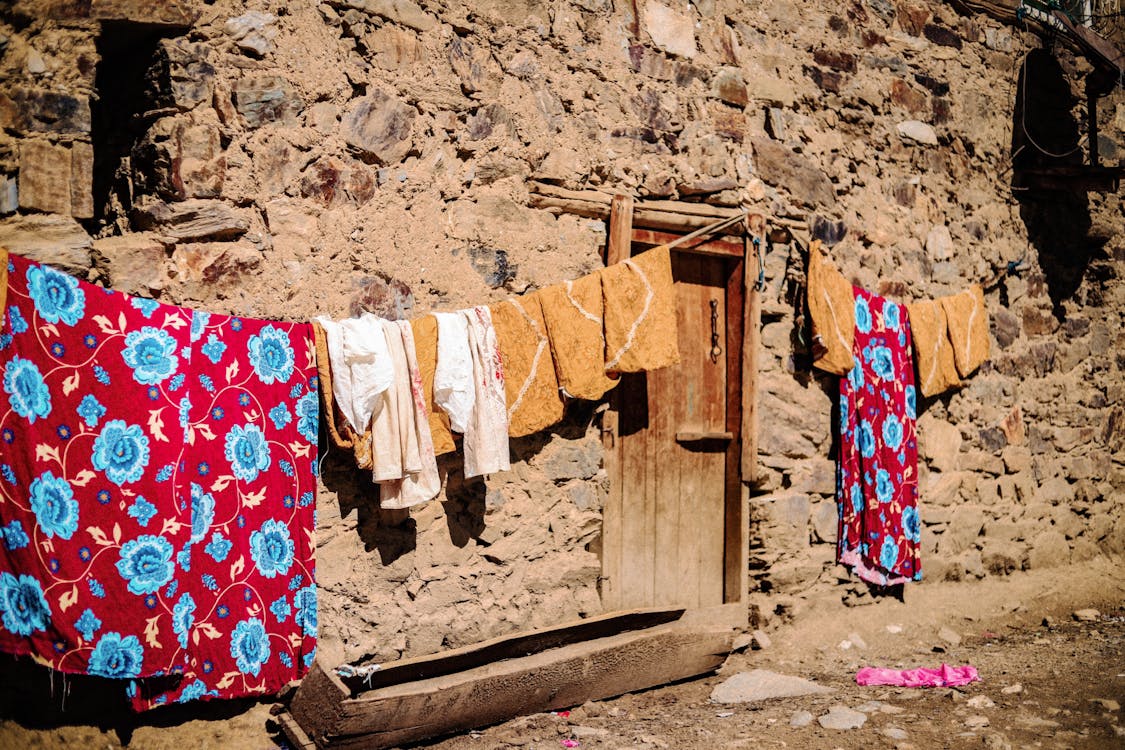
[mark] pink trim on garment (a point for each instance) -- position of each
(945, 676)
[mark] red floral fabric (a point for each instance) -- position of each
(877, 469)
(157, 484)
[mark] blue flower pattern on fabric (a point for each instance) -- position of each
(213, 349)
(862, 315)
(218, 548)
(877, 479)
(90, 410)
(305, 602)
(281, 609)
(199, 321)
(271, 355)
(98, 427)
(183, 617)
(280, 416)
(271, 548)
(57, 297)
(14, 536)
(87, 624)
(866, 439)
(23, 608)
(890, 316)
(884, 490)
(142, 510)
(121, 451)
(911, 524)
(52, 501)
(248, 452)
(15, 317)
(146, 306)
(308, 414)
(27, 393)
(857, 498)
(881, 363)
(250, 646)
(202, 512)
(116, 656)
(146, 563)
(888, 554)
(151, 353)
(892, 432)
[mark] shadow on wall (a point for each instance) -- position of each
(393, 533)
(1046, 135)
(38, 697)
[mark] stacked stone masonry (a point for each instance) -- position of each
(287, 159)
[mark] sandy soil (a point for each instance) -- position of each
(1017, 631)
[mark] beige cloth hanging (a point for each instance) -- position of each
(404, 453)
(531, 389)
(639, 301)
(572, 312)
(933, 351)
(486, 436)
(425, 332)
(832, 308)
(967, 320)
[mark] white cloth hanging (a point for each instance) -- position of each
(453, 376)
(486, 434)
(361, 366)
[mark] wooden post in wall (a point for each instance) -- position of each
(620, 229)
(618, 248)
(751, 332)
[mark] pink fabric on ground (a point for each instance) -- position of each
(945, 676)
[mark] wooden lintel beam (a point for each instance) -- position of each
(702, 246)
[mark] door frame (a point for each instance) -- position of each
(743, 314)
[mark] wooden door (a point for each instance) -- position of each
(674, 522)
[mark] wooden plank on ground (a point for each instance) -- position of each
(316, 704)
(545, 681)
(297, 737)
(513, 646)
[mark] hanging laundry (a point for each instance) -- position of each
(943, 676)
(936, 368)
(402, 432)
(339, 430)
(832, 308)
(532, 391)
(361, 365)
(157, 493)
(572, 313)
(639, 302)
(486, 434)
(877, 470)
(453, 375)
(967, 321)
(425, 330)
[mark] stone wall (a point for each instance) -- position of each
(286, 159)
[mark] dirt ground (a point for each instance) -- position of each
(1018, 631)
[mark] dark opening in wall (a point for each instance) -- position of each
(126, 51)
(1046, 135)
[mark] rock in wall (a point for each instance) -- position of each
(287, 159)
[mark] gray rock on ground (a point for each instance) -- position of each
(842, 717)
(762, 684)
